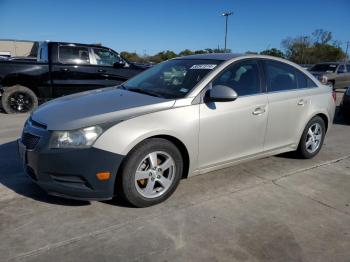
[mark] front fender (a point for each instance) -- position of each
(181, 123)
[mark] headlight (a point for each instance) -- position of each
(81, 138)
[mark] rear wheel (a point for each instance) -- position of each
(18, 99)
(151, 173)
(312, 139)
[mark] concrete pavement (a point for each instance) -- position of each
(274, 209)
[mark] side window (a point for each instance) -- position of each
(243, 77)
(304, 81)
(280, 76)
(348, 68)
(105, 57)
(73, 55)
(341, 69)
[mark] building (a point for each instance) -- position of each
(11, 48)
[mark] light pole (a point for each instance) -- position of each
(226, 14)
(346, 52)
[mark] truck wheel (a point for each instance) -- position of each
(151, 173)
(18, 99)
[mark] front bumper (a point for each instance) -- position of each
(69, 173)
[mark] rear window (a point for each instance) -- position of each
(304, 81)
(73, 55)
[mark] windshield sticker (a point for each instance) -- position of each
(208, 66)
(183, 90)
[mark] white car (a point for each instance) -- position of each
(139, 139)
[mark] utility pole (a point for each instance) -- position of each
(226, 14)
(346, 52)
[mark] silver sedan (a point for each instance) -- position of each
(183, 117)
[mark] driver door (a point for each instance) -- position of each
(234, 130)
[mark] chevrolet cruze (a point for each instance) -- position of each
(183, 117)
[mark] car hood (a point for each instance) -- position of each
(108, 105)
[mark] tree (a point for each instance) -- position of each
(316, 48)
(273, 52)
(133, 57)
(186, 52)
(162, 56)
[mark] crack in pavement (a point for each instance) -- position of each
(116, 227)
(192, 204)
(327, 163)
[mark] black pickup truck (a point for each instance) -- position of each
(60, 69)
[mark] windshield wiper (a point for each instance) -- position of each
(144, 91)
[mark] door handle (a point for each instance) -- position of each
(301, 102)
(259, 111)
(64, 70)
(101, 71)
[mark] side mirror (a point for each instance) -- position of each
(119, 64)
(220, 93)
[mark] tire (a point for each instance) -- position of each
(18, 99)
(308, 146)
(156, 184)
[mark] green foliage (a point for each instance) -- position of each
(186, 52)
(313, 49)
(307, 49)
(165, 55)
(273, 52)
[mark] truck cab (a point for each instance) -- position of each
(61, 69)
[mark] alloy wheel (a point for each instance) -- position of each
(20, 102)
(155, 174)
(313, 138)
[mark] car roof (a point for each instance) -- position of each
(212, 56)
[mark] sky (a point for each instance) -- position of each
(151, 26)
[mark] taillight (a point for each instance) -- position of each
(334, 95)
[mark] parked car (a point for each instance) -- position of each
(139, 139)
(336, 74)
(60, 69)
(306, 66)
(345, 104)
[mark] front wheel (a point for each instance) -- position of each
(18, 99)
(151, 172)
(312, 139)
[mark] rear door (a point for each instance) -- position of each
(110, 68)
(72, 71)
(289, 100)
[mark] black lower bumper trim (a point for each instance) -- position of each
(72, 173)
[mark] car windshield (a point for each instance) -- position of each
(324, 68)
(171, 79)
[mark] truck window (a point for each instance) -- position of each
(105, 57)
(73, 55)
(42, 55)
